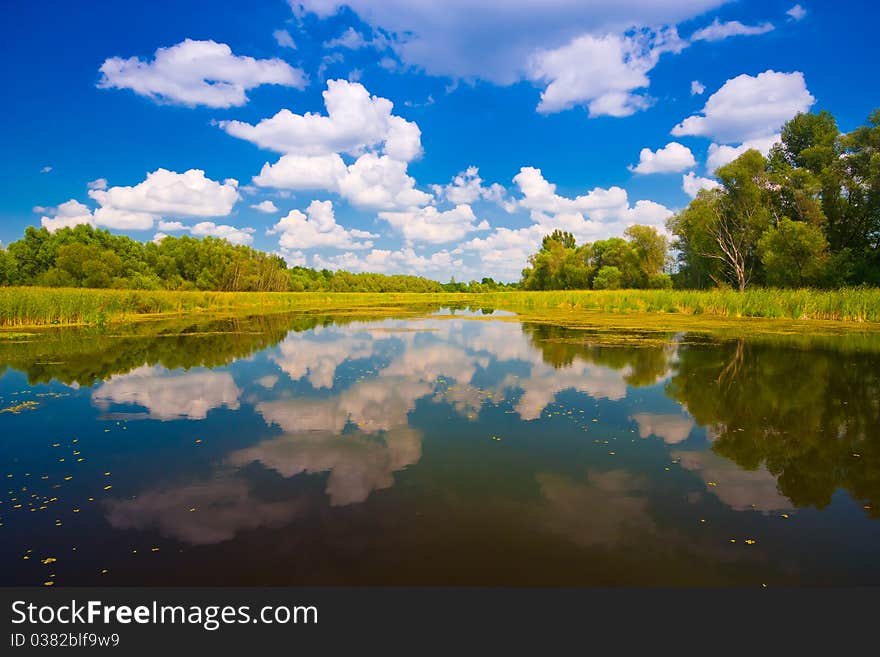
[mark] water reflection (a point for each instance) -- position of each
(458, 428)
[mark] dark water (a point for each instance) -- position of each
(437, 450)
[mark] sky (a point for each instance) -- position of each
(405, 136)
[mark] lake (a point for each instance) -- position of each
(437, 447)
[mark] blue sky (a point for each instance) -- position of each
(405, 136)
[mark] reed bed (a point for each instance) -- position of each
(849, 305)
(33, 306)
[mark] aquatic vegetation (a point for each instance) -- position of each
(18, 408)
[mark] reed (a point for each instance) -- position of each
(33, 306)
(849, 304)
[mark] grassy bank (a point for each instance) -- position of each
(30, 306)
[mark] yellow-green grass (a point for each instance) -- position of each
(848, 305)
(33, 307)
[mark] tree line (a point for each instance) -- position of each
(83, 256)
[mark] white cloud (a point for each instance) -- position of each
(68, 214)
(380, 182)
(351, 39)
(601, 72)
(670, 159)
(748, 107)
(267, 207)
(467, 187)
(164, 193)
(494, 40)
(198, 73)
(46, 169)
(719, 155)
(433, 226)
(98, 183)
(797, 12)
(718, 31)
(171, 226)
(229, 233)
(371, 182)
(691, 184)
(697, 88)
(317, 228)
(355, 123)
(299, 172)
(402, 261)
(283, 39)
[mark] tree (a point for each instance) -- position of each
(725, 224)
(619, 254)
(650, 247)
(608, 278)
(794, 253)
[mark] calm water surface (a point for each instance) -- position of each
(441, 448)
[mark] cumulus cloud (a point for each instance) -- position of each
(197, 73)
(68, 214)
(380, 182)
(797, 12)
(355, 123)
(749, 107)
(223, 231)
(370, 182)
(601, 73)
(433, 226)
(317, 228)
(697, 88)
(467, 187)
(98, 183)
(671, 158)
(691, 184)
(163, 193)
(46, 169)
(267, 207)
(718, 31)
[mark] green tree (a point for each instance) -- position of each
(651, 248)
(724, 225)
(794, 253)
(608, 278)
